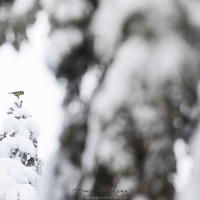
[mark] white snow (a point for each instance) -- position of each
(27, 192)
(111, 152)
(16, 179)
(9, 124)
(115, 90)
(65, 10)
(25, 145)
(122, 84)
(16, 104)
(62, 41)
(31, 125)
(11, 182)
(185, 164)
(192, 173)
(88, 83)
(6, 182)
(23, 131)
(20, 142)
(21, 122)
(192, 9)
(21, 7)
(24, 192)
(69, 179)
(2, 193)
(21, 113)
(8, 146)
(134, 58)
(110, 16)
(140, 197)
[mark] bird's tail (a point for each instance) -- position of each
(10, 92)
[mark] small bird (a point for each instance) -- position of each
(17, 93)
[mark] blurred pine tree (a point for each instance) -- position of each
(147, 55)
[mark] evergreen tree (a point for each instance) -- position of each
(146, 98)
(20, 166)
(147, 55)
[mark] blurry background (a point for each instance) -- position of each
(26, 70)
(118, 82)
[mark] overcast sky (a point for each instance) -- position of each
(26, 70)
